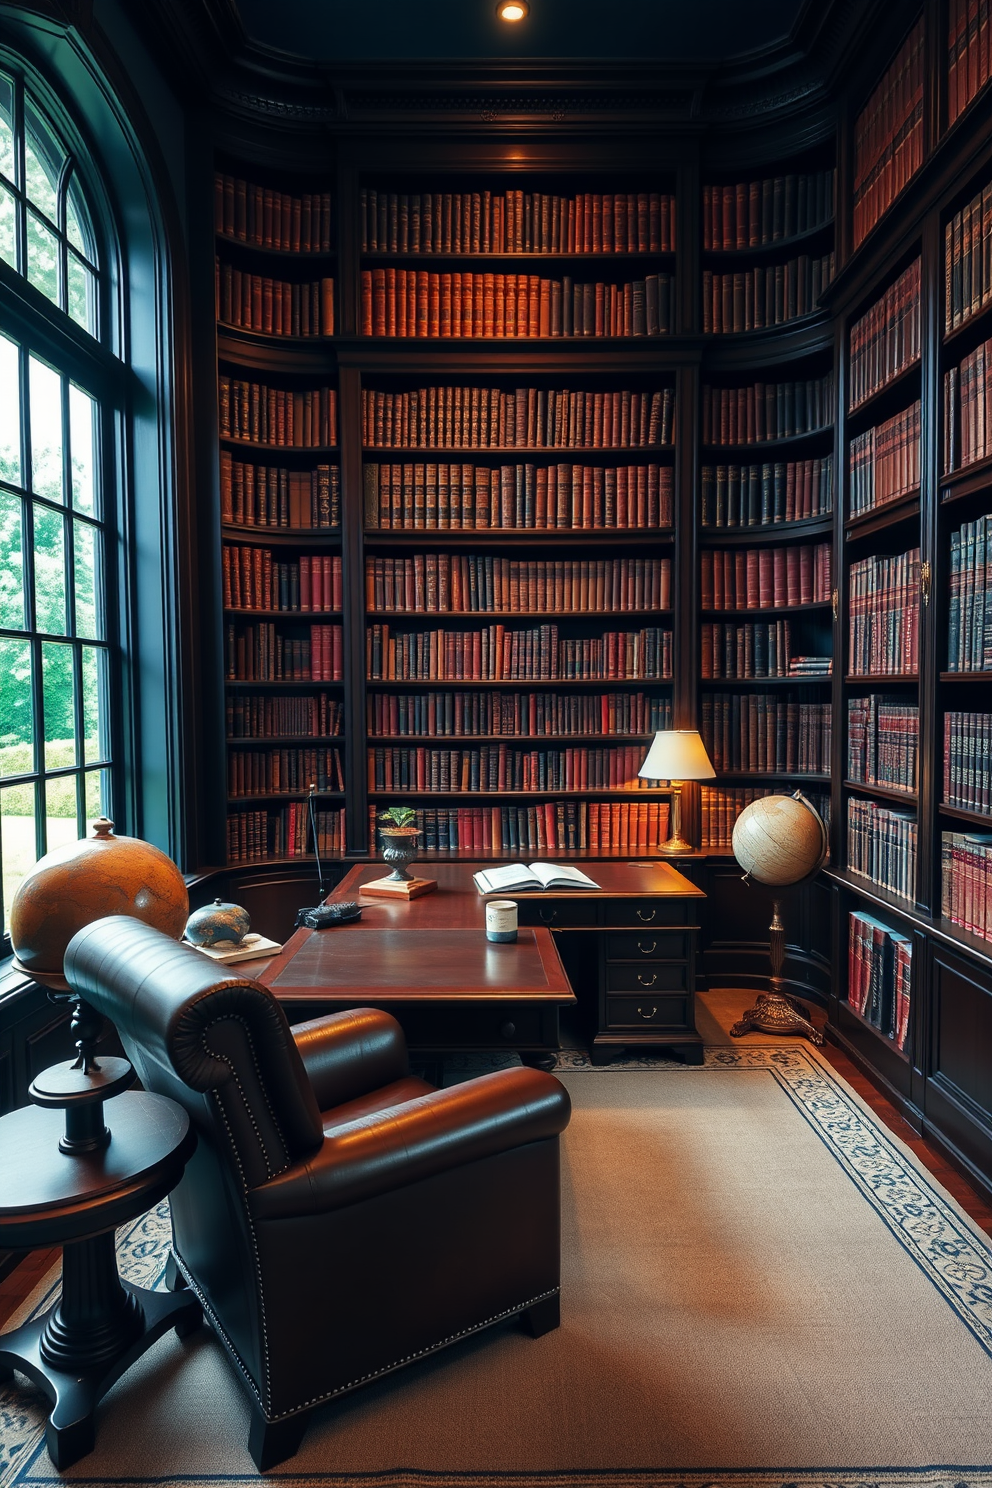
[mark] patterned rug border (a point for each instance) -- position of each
(939, 1238)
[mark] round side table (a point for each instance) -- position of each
(76, 1199)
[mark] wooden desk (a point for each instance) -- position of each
(427, 961)
(629, 950)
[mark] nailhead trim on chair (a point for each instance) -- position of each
(362, 1378)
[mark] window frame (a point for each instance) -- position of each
(42, 329)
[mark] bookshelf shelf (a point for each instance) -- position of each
(754, 612)
(888, 679)
(543, 684)
(531, 453)
(978, 818)
(473, 797)
(562, 616)
(880, 518)
(762, 682)
(508, 260)
(886, 792)
(756, 446)
(272, 338)
(294, 537)
(741, 777)
(282, 682)
(263, 741)
(966, 481)
(895, 390)
(254, 614)
(492, 537)
(276, 255)
(772, 249)
(884, 1038)
(257, 448)
(565, 740)
(765, 533)
(297, 795)
(967, 677)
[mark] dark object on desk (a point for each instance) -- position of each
(440, 1208)
(326, 916)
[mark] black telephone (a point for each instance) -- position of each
(324, 916)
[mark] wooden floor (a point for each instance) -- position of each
(19, 1284)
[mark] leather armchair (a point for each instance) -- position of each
(340, 1218)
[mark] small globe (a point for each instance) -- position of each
(780, 840)
(81, 882)
(217, 924)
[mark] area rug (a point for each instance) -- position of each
(760, 1288)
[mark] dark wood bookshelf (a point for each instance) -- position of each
(770, 532)
(515, 536)
(886, 792)
(555, 454)
(960, 813)
(617, 617)
(880, 518)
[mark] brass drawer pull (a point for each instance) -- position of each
(646, 916)
(548, 916)
(646, 950)
(643, 983)
(647, 1015)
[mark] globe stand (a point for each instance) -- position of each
(775, 1012)
(81, 1087)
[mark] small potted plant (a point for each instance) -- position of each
(400, 833)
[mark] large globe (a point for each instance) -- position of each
(76, 884)
(780, 840)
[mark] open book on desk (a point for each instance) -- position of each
(519, 878)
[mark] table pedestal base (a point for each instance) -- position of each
(82, 1345)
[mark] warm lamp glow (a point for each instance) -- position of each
(512, 10)
(677, 755)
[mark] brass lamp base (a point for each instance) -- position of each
(676, 845)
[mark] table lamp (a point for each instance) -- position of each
(676, 755)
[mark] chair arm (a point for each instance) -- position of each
(406, 1143)
(348, 1054)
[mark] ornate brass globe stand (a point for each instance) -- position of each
(775, 1011)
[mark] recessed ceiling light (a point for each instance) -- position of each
(512, 10)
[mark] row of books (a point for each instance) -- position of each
(258, 653)
(764, 578)
(498, 767)
(272, 219)
(765, 295)
(767, 410)
(966, 881)
(283, 833)
(274, 496)
(968, 260)
(749, 214)
(883, 739)
(886, 339)
(755, 495)
(761, 649)
(439, 582)
(528, 418)
(967, 753)
(722, 805)
(884, 615)
(879, 975)
(498, 654)
(251, 580)
(881, 845)
(968, 409)
(762, 731)
(614, 827)
(269, 415)
(516, 221)
(885, 461)
(511, 497)
(515, 714)
(969, 53)
(276, 307)
(888, 135)
(266, 772)
(969, 621)
(256, 716)
(413, 302)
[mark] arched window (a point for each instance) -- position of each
(58, 391)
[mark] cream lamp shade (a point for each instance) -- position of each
(677, 754)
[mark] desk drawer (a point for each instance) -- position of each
(659, 945)
(636, 913)
(556, 913)
(650, 976)
(647, 1012)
